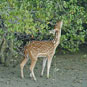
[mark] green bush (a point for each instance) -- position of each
(33, 16)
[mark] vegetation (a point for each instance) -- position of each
(25, 20)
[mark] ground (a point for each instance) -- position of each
(69, 70)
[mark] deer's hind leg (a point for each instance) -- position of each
(23, 63)
(33, 63)
(49, 65)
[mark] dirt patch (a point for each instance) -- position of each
(66, 71)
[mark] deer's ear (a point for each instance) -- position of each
(52, 31)
(56, 30)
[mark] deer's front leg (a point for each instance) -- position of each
(48, 66)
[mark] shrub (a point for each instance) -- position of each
(37, 17)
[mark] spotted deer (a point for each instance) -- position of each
(45, 49)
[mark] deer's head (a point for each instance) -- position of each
(57, 27)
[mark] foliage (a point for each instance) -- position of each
(37, 17)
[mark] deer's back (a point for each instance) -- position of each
(40, 48)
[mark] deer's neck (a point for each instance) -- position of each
(56, 40)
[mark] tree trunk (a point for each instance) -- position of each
(2, 55)
(9, 53)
